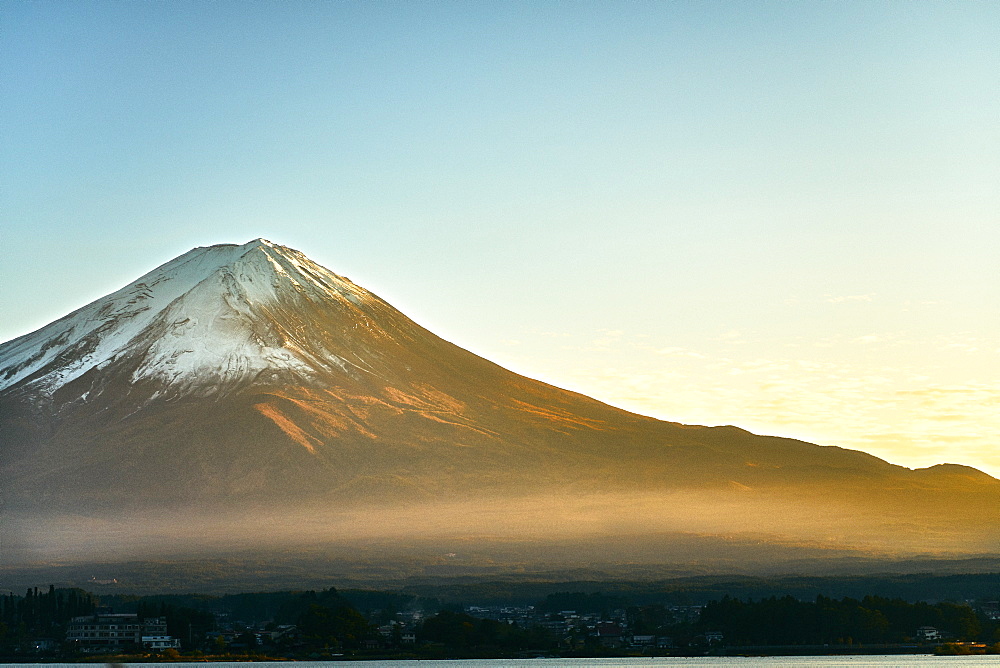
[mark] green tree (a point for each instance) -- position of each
(333, 627)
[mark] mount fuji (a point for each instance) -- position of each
(242, 386)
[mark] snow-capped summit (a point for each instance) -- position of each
(208, 316)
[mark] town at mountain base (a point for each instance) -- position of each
(330, 624)
(246, 391)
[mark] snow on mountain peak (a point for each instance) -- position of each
(205, 316)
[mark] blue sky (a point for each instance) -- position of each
(778, 215)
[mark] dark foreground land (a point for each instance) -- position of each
(916, 614)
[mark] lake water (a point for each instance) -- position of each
(894, 661)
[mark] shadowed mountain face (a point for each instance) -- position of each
(245, 386)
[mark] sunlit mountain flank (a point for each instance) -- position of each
(244, 393)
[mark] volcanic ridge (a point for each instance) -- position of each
(246, 382)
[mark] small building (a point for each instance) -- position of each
(160, 643)
(44, 644)
(928, 633)
(609, 634)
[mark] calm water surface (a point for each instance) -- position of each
(895, 661)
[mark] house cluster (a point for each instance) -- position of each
(991, 609)
(575, 629)
(119, 632)
(241, 636)
(397, 633)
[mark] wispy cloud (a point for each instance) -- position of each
(840, 299)
(680, 352)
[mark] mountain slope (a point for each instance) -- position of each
(240, 380)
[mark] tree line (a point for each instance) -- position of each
(872, 619)
(41, 613)
(330, 620)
